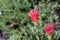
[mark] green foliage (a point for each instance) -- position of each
(16, 12)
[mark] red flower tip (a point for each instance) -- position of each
(33, 14)
(49, 29)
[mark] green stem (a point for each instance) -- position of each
(42, 37)
(36, 30)
(49, 38)
(37, 37)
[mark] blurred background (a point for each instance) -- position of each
(15, 23)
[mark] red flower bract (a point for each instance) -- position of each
(33, 14)
(49, 29)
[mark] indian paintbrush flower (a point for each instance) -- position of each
(49, 29)
(33, 14)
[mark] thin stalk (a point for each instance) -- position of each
(36, 30)
(49, 38)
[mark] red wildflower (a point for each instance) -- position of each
(33, 14)
(49, 29)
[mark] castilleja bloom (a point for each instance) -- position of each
(49, 29)
(33, 14)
